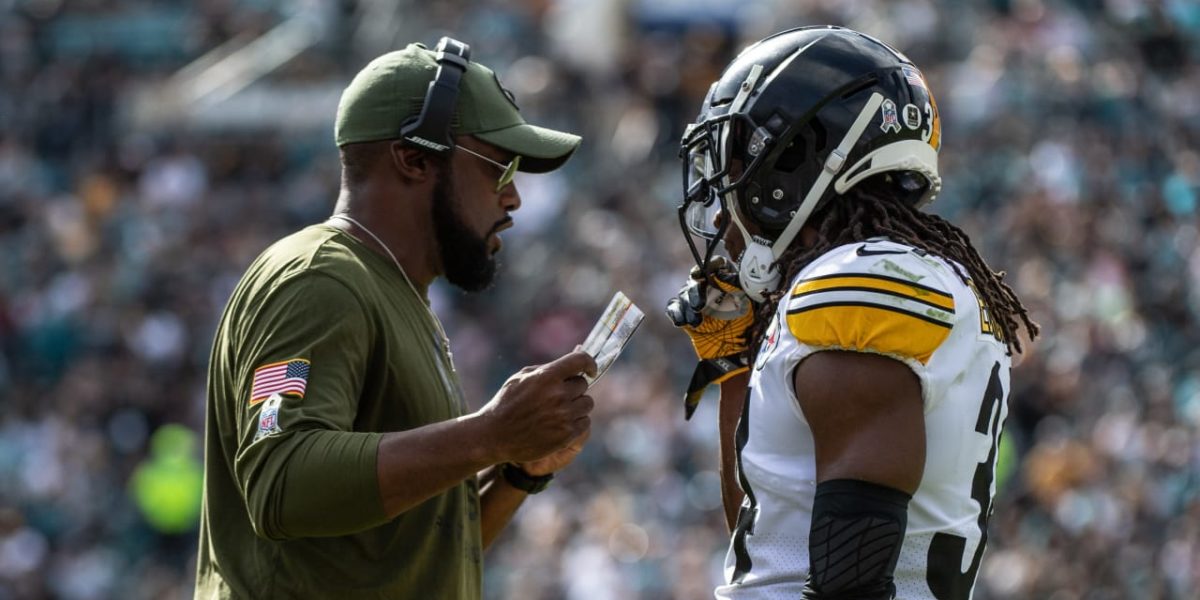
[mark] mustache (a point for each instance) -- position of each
(499, 224)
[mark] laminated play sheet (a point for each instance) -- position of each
(611, 333)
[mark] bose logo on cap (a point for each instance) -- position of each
(428, 144)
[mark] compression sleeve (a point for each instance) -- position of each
(855, 540)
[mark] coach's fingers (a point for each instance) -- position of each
(584, 404)
(582, 428)
(570, 365)
(574, 386)
(582, 438)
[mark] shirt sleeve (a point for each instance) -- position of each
(302, 469)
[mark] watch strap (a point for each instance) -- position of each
(522, 480)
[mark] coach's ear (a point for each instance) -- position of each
(412, 164)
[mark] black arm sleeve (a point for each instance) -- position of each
(855, 540)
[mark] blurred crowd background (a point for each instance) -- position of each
(149, 150)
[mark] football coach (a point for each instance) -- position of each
(341, 460)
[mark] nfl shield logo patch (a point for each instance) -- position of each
(891, 121)
(268, 419)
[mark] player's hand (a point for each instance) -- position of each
(718, 324)
(718, 320)
(541, 410)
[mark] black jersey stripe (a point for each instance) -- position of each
(851, 288)
(907, 282)
(748, 512)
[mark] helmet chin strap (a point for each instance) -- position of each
(757, 270)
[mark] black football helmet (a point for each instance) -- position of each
(795, 121)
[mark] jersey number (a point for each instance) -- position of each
(945, 578)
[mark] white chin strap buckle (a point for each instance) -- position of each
(757, 271)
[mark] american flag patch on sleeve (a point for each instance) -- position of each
(288, 376)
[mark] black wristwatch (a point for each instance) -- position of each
(522, 480)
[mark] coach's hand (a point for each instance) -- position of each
(540, 415)
(558, 459)
(717, 315)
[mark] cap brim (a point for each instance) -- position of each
(542, 150)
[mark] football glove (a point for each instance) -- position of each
(716, 314)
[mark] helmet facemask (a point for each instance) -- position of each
(710, 186)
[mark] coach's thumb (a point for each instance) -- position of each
(574, 363)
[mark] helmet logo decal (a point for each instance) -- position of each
(912, 116)
(891, 122)
(934, 134)
(913, 77)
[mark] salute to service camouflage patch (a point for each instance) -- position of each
(283, 377)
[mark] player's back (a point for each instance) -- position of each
(886, 298)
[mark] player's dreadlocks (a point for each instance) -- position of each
(871, 209)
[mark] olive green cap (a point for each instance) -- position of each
(391, 89)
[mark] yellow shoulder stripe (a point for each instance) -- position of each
(876, 283)
(868, 327)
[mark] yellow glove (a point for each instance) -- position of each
(716, 314)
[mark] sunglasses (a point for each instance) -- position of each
(510, 170)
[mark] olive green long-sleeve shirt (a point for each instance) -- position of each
(321, 349)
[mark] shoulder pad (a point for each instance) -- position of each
(874, 296)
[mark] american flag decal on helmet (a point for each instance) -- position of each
(913, 77)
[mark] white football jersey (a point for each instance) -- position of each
(887, 298)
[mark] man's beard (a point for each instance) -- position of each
(466, 258)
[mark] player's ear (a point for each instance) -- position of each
(411, 164)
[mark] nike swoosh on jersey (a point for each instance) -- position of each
(862, 251)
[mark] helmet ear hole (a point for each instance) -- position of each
(792, 156)
(807, 145)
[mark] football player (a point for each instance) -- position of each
(869, 376)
